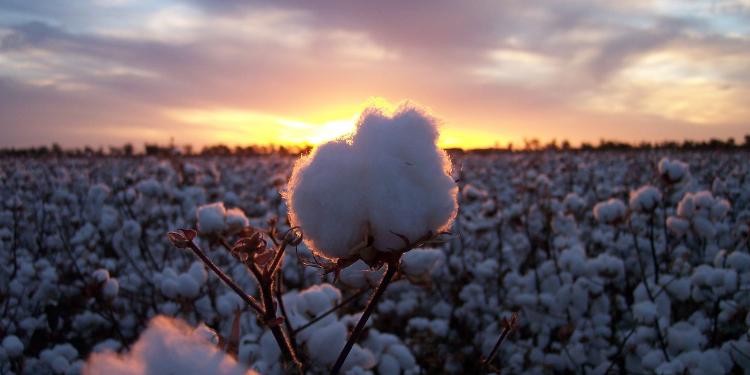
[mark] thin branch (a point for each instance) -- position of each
(389, 273)
(225, 278)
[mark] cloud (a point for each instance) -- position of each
(507, 68)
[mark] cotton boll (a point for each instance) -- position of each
(198, 272)
(472, 193)
(211, 218)
(236, 219)
(326, 342)
(683, 336)
(720, 208)
(101, 275)
(354, 276)
(673, 170)
(410, 189)
(187, 286)
(609, 211)
(168, 287)
(319, 298)
(420, 262)
(686, 207)
(645, 312)
(13, 346)
(703, 227)
(390, 176)
(573, 203)
(403, 355)
(652, 360)
(206, 333)
(110, 289)
(389, 365)
(59, 364)
(165, 347)
(360, 358)
(327, 201)
(645, 199)
(678, 225)
(739, 261)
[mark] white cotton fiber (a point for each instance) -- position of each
(111, 288)
(13, 346)
(609, 211)
(236, 219)
(100, 275)
(673, 170)
(187, 286)
(389, 176)
(420, 262)
(645, 199)
(167, 346)
(211, 218)
(326, 342)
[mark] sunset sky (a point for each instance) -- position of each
(106, 72)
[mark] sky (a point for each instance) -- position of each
(201, 72)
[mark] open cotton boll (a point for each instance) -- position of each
(165, 347)
(236, 219)
(111, 288)
(211, 218)
(326, 343)
(101, 275)
(327, 200)
(645, 199)
(678, 225)
(187, 286)
(410, 188)
(573, 203)
(206, 333)
(609, 211)
(673, 170)
(420, 262)
(13, 346)
(389, 176)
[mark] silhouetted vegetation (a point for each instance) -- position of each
(533, 144)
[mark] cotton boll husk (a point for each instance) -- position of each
(327, 200)
(165, 347)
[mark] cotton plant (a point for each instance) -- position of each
(521, 246)
(371, 196)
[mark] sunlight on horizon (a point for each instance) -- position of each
(243, 127)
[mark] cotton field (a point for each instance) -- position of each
(611, 262)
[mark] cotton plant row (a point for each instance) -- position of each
(567, 241)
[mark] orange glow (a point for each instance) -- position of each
(242, 127)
